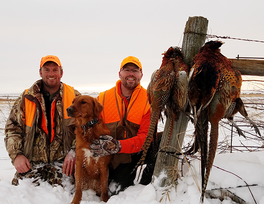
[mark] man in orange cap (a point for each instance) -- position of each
(39, 134)
(127, 115)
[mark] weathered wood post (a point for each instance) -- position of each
(194, 37)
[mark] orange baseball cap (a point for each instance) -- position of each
(51, 58)
(131, 59)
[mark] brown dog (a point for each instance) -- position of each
(91, 172)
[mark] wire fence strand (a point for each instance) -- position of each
(226, 37)
(231, 38)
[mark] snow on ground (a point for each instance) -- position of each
(232, 171)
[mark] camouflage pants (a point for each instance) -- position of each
(51, 173)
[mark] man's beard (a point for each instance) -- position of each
(130, 87)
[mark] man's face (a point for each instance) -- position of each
(130, 76)
(51, 75)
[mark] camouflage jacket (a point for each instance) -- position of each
(32, 141)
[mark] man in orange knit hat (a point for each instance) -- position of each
(39, 134)
(127, 115)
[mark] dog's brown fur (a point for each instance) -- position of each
(91, 172)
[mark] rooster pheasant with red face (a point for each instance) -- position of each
(166, 90)
(214, 93)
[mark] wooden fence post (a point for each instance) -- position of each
(194, 38)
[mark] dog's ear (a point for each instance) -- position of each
(97, 107)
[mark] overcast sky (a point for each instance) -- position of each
(92, 37)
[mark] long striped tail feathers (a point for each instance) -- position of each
(146, 145)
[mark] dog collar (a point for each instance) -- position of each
(89, 125)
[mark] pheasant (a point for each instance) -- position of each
(166, 90)
(214, 93)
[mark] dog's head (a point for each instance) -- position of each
(85, 108)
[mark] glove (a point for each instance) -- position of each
(104, 146)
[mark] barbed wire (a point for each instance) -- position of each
(234, 174)
(225, 37)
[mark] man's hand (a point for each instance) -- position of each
(69, 163)
(22, 164)
(104, 146)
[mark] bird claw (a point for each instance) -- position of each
(256, 130)
(240, 132)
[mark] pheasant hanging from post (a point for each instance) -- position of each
(167, 91)
(214, 93)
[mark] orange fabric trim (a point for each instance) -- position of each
(109, 106)
(29, 111)
(52, 115)
(137, 105)
(44, 123)
(68, 96)
(101, 100)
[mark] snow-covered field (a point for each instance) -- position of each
(232, 171)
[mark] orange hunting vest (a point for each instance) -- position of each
(123, 123)
(30, 107)
(115, 114)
